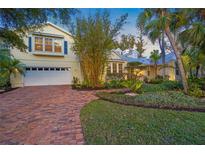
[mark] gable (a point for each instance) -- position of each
(115, 56)
(52, 30)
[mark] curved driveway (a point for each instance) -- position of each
(42, 115)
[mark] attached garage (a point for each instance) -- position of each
(36, 76)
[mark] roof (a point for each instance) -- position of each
(168, 57)
(118, 53)
(132, 56)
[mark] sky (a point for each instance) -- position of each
(115, 13)
(128, 28)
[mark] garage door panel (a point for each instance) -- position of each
(34, 78)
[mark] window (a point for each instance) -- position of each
(28, 68)
(58, 45)
(34, 68)
(46, 69)
(120, 68)
(40, 69)
(114, 65)
(57, 69)
(38, 43)
(109, 69)
(48, 45)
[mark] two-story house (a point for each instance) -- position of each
(49, 59)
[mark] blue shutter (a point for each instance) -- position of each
(29, 44)
(65, 47)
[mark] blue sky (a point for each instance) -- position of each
(129, 28)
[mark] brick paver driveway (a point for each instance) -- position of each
(42, 115)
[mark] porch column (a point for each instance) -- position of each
(111, 69)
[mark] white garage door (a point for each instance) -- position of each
(47, 76)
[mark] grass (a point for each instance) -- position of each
(108, 123)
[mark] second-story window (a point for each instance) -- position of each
(48, 44)
(38, 43)
(58, 45)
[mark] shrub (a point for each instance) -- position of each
(195, 90)
(76, 83)
(115, 76)
(156, 81)
(113, 84)
(133, 85)
(199, 81)
(164, 86)
(4, 83)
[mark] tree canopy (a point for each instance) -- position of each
(126, 42)
(15, 22)
(94, 38)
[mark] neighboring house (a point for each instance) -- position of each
(49, 59)
(143, 67)
(116, 64)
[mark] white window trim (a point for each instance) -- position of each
(37, 52)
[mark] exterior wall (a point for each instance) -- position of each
(29, 59)
(170, 71)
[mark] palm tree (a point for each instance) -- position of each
(155, 57)
(155, 32)
(140, 41)
(193, 60)
(9, 66)
(165, 20)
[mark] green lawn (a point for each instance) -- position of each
(108, 123)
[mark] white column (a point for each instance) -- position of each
(117, 68)
(111, 69)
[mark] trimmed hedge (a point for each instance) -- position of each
(165, 100)
(164, 86)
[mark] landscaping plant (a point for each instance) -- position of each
(94, 38)
(133, 85)
(9, 66)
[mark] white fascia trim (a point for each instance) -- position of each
(59, 28)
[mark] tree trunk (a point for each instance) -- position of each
(197, 71)
(178, 57)
(155, 70)
(190, 72)
(162, 48)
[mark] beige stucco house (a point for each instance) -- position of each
(49, 59)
